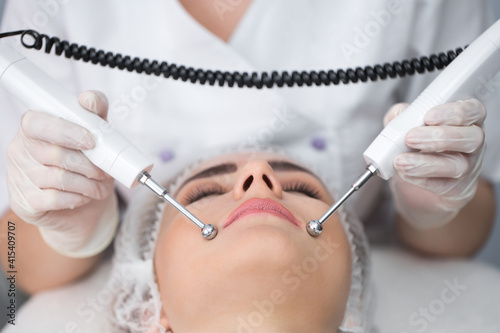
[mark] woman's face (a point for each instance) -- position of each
(263, 272)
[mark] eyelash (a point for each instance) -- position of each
(204, 191)
(302, 188)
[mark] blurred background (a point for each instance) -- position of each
(490, 253)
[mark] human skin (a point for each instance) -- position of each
(261, 273)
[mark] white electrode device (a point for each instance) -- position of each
(463, 79)
(112, 153)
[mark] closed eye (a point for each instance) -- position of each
(204, 191)
(303, 188)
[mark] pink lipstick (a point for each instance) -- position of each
(267, 206)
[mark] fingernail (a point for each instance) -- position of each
(415, 136)
(404, 166)
(87, 142)
(400, 163)
(89, 100)
(434, 116)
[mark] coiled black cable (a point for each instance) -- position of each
(235, 78)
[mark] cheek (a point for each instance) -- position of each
(305, 208)
(334, 253)
(183, 258)
(177, 264)
(327, 268)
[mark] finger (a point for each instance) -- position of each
(431, 165)
(94, 101)
(65, 158)
(60, 179)
(394, 111)
(27, 198)
(461, 113)
(42, 126)
(463, 139)
(439, 186)
(51, 199)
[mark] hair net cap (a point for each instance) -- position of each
(136, 307)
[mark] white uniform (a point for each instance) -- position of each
(173, 121)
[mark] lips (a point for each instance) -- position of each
(267, 206)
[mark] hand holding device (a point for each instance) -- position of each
(437, 179)
(53, 185)
(463, 79)
(112, 152)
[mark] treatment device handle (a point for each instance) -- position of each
(112, 153)
(468, 76)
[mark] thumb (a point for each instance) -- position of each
(394, 111)
(94, 101)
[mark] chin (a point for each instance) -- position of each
(264, 246)
(254, 264)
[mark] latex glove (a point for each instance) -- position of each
(432, 185)
(53, 185)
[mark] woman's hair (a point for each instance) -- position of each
(136, 305)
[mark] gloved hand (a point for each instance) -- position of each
(432, 185)
(53, 185)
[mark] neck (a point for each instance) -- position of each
(263, 318)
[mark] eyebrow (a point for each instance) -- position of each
(228, 168)
(287, 166)
(221, 169)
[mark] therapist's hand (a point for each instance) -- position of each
(434, 183)
(53, 185)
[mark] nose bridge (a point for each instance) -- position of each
(255, 176)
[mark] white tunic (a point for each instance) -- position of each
(329, 126)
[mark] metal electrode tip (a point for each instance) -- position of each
(314, 228)
(209, 231)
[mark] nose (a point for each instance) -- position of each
(257, 178)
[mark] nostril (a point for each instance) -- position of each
(267, 181)
(247, 183)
